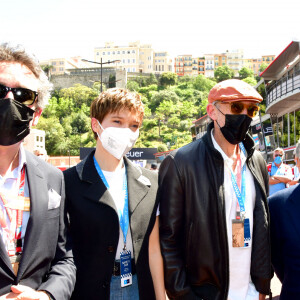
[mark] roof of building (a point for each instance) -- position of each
(281, 61)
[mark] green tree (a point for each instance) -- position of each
(152, 79)
(245, 72)
(54, 134)
(250, 80)
(263, 66)
(168, 78)
(47, 69)
(160, 96)
(223, 73)
(132, 86)
(202, 83)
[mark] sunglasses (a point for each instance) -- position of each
(237, 108)
(22, 95)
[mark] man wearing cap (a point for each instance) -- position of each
(36, 260)
(280, 174)
(214, 219)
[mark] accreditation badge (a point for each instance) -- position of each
(237, 233)
(125, 263)
(241, 233)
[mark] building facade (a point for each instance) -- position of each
(135, 57)
(235, 60)
(59, 66)
(162, 62)
(209, 65)
(183, 65)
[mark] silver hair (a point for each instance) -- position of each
(297, 150)
(17, 54)
(280, 150)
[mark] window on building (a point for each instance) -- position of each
(97, 53)
(41, 139)
(123, 52)
(128, 69)
(133, 51)
(129, 61)
(133, 61)
(113, 53)
(133, 69)
(53, 69)
(103, 53)
(108, 53)
(124, 61)
(61, 62)
(163, 68)
(128, 52)
(53, 63)
(37, 138)
(118, 52)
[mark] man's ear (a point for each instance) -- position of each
(94, 124)
(211, 111)
(36, 116)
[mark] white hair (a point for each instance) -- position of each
(17, 54)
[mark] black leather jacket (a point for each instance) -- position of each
(193, 223)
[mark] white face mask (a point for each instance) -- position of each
(117, 141)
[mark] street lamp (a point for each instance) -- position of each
(101, 63)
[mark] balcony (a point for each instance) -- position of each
(284, 95)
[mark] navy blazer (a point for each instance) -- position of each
(47, 260)
(285, 240)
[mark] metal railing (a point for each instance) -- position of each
(282, 87)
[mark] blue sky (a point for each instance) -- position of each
(59, 28)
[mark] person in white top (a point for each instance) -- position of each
(214, 222)
(113, 209)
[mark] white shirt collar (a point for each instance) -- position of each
(228, 160)
(14, 174)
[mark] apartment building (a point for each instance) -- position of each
(220, 60)
(134, 58)
(183, 65)
(235, 60)
(255, 63)
(209, 65)
(162, 62)
(60, 66)
(198, 66)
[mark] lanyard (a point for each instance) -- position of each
(240, 194)
(18, 216)
(123, 215)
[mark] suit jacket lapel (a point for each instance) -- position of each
(138, 185)
(293, 209)
(38, 193)
(4, 256)
(97, 190)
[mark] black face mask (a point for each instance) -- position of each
(14, 121)
(235, 128)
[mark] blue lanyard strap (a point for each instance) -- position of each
(123, 215)
(241, 195)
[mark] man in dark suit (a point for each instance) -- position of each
(285, 238)
(36, 260)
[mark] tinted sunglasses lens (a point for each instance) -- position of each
(252, 110)
(3, 91)
(24, 96)
(237, 108)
